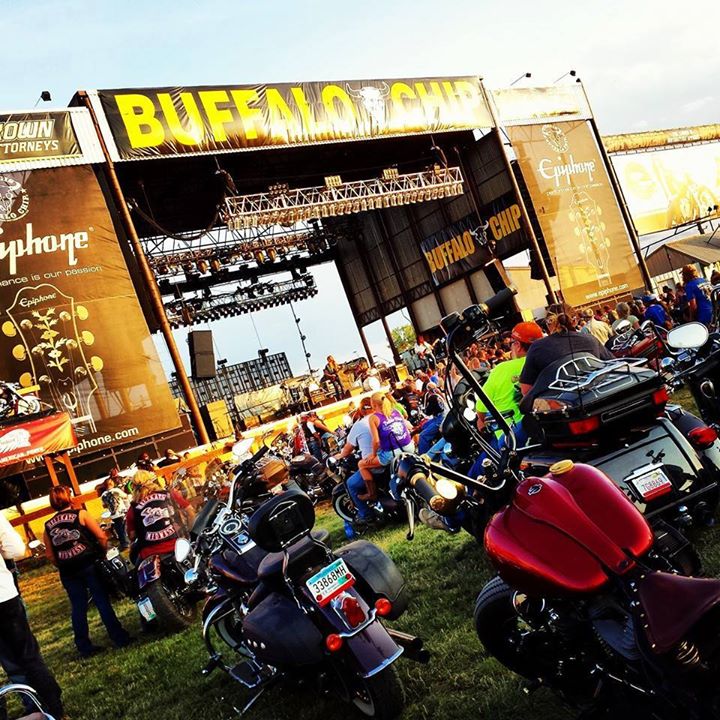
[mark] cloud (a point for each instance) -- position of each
(695, 105)
(640, 124)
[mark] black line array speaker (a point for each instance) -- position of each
(202, 355)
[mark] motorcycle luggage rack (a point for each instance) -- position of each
(583, 372)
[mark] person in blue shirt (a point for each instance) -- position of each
(699, 294)
(655, 311)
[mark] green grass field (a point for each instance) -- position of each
(159, 676)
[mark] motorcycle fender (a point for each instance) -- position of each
(148, 571)
(221, 597)
(372, 648)
(339, 489)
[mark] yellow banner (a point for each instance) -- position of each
(667, 188)
(528, 105)
(577, 209)
(660, 138)
(156, 122)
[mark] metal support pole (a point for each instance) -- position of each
(624, 210)
(348, 294)
(523, 209)
(149, 281)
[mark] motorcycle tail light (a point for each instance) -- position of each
(660, 397)
(383, 607)
(333, 642)
(354, 614)
(703, 437)
(585, 426)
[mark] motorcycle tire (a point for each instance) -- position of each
(171, 616)
(381, 696)
(344, 507)
(496, 622)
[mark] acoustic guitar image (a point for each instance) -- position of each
(45, 322)
(590, 230)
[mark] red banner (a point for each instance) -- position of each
(27, 440)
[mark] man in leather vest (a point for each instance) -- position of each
(73, 542)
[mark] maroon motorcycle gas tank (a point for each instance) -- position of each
(566, 532)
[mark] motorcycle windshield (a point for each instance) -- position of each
(565, 533)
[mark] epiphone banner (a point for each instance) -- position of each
(578, 211)
(24, 441)
(157, 122)
(28, 136)
(70, 321)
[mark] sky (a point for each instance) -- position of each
(645, 65)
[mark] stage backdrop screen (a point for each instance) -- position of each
(70, 321)
(667, 187)
(578, 211)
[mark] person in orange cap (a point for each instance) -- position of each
(502, 385)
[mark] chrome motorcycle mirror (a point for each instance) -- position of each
(622, 327)
(182, 549)
(688, 336)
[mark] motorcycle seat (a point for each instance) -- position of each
(304, 551)
(232, 565)
(673, 605)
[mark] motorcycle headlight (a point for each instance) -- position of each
(446, 489)
(182, 549)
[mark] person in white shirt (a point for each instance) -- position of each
(18, 647)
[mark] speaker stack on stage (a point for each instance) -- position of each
(202, 355)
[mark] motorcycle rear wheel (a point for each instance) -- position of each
(381, 696)
(172, 615)
(344, 507)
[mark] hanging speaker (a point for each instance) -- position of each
(202, 355)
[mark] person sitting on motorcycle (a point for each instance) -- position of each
(502, 386)
(434, 407)
(155, 517)
(315, 432)
(73, 543)
(562, 340)
(623, 313)
(359, 438)
(391, 436)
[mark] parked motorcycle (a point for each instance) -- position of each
(584, 601)
(290, 609)
(385, 509)
(27, 696)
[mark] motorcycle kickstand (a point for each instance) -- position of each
(249, 703)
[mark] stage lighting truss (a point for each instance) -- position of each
(203, 308)
(338, 198)
(223, 248)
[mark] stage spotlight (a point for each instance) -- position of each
(215, 265)
(390, 173)
(203, 266)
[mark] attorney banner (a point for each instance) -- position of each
(578, 211)
(24, 441)
(158, 122)
(70, 321)
(33, 135)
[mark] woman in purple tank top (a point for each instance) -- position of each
(391, 436)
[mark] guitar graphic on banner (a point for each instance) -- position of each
(45, 321)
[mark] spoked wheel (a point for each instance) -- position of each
(344, 506)
(381, 696)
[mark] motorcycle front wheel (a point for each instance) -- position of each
(344, 507)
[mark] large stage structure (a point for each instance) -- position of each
(220, 200)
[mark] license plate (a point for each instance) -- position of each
(652, 484)
(112, 553)
(330, 582)
(146, 609)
